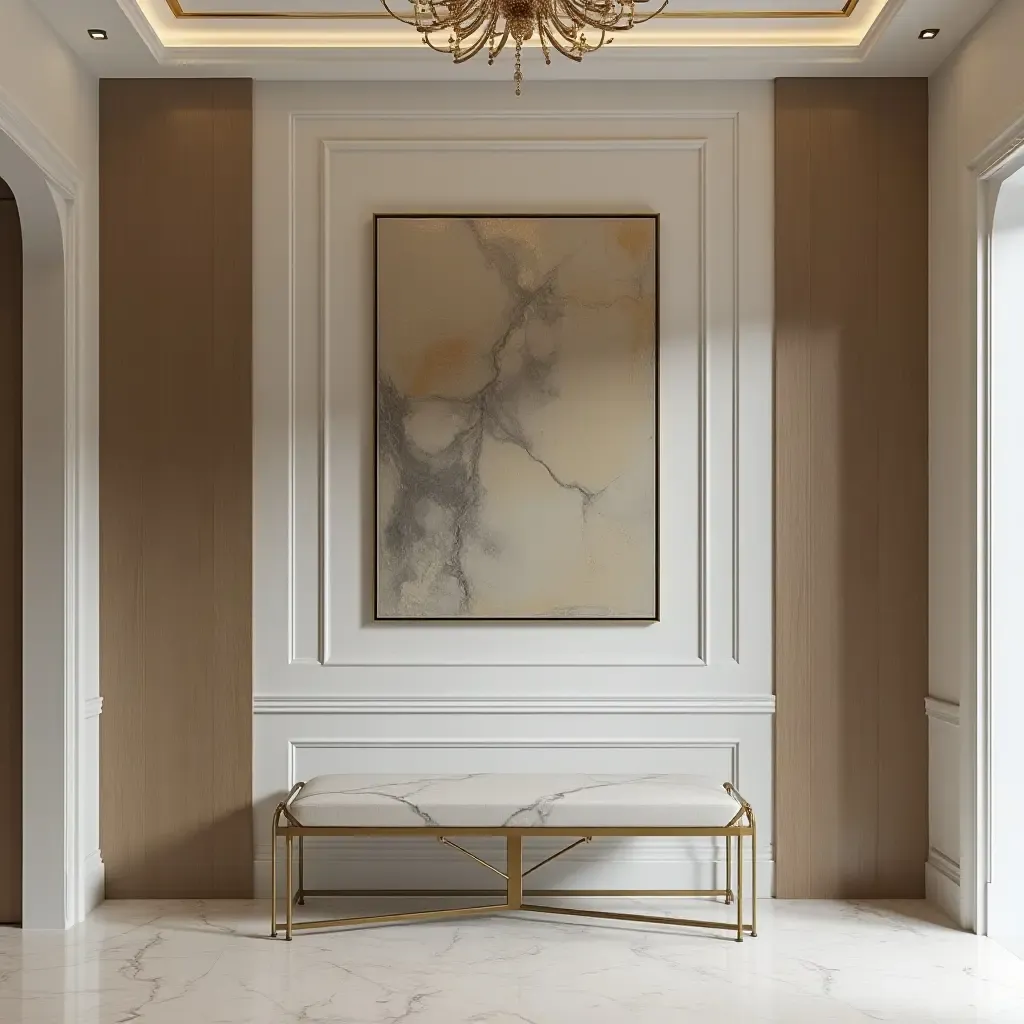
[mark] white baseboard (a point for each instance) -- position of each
(93, 882)
(422, 864)
(942, 884)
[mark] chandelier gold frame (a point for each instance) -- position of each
(287, 827)
(560, 25)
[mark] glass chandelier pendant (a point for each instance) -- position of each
(463, 28)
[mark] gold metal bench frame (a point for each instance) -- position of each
(738, 828)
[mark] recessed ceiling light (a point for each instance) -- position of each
(928, 33)
(98, 33)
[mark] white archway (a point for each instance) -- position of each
(1001, 700)
(46, 189)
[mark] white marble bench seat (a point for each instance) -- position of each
(514, 801)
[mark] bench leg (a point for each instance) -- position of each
(301, 900)
(514, 870)
(288, 886)
(753, 879)
(273, 881)
(739, 888)
(728, 870)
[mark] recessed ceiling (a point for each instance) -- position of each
(357, 39)
(731, 10)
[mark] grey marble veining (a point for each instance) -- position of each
(817, 962)
(515, 800)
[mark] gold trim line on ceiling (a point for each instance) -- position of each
(176, 9)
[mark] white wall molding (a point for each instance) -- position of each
(93, 882)
(942, 710)
(942, 883)
(92, 707)
(510, 113)
(363, 143)
(329, 704)
(946, 866)
(37, 146)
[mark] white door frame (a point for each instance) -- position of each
(60, 623)
(991, 168)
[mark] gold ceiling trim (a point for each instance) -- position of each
(175, 7)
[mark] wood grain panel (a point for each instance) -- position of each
(850, 487)
(176, 487)
(10, 558)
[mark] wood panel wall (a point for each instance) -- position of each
(10, 558)
(176, 487)
(851, 486)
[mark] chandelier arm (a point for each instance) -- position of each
(500, 45)
(642, 20)
(445, 49)
(439, 23)
(401, 17)
(481, 42)
(483, 15)
(581, 17)
(568, 32)
(437, 26)
(604, 16)
(597, 17)
(561, 48)
(603, 38)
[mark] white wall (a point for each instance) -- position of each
(48, 101)
(976, 97)
(336, 692)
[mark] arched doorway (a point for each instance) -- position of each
(55, 637)
(10, 555)
(1005, 554)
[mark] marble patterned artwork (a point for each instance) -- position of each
(516, 417)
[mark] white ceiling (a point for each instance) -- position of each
(356, 39)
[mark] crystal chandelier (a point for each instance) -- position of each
(562, 25)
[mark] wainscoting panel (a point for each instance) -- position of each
(728, 745)
(336, 691)
(851, 516)
(10, 557)
(175, 486)
(942, 875)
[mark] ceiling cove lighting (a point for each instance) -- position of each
(561, 25)
(99, 34)
(928, 33)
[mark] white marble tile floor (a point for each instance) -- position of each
(191, 962)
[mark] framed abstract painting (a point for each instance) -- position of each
(516, 464)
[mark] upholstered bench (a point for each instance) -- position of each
(516, 807)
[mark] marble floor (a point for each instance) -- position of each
(193, 962)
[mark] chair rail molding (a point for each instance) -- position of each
(328, 704)
(942, 710)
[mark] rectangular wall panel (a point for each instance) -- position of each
(851, 486)
(10, 557)
(337, 691)
(175, 486)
